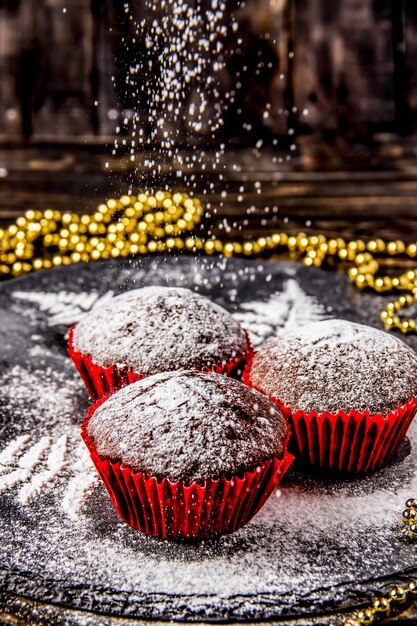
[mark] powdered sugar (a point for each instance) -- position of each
(261, 568)
(46, 395)
(157, 329)
(320, 546)
(12, 450)
(188, 425)
(45, 403)
(337, 365)
(26, 465)
(64, 308)
(284, 311)
(55, 463)
(315, 536)
(83, 478)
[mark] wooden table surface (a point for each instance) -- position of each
(343, 190)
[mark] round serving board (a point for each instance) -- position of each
(318, 546)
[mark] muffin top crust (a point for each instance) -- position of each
(188, 425)
(157, 329)
(337, 365)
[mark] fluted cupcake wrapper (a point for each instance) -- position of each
(103, 381)
(346, 443)
(175, 510)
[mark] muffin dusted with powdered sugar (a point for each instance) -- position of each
(188, 425)
(350, 391)
(337, 365)
(188, 454)
(152, 330)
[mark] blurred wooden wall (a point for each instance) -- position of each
(56, 62)
(342, 67)
(356, 64)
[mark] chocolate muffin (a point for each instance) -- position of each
(337, 365)
(157, 329)
(187, 454)
(188, 425)
(348, 391)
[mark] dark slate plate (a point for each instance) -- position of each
(318, 546)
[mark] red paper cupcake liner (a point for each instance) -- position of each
(347, 443)
(103, 381)
(174, 510)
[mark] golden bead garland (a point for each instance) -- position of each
(387, 606)
(398, 598)
(126, 227)
(164, 222)
(410, 517)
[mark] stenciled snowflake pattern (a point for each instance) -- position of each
(283, 311)
(47, 456)
(64, 308)
(31, 468)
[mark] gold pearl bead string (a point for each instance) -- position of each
(410, 517)
(390, 605)
(398, 598)
(132, 225)
(166, 222)
(390, 315)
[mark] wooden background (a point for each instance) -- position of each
(352, 64)
(347, 67)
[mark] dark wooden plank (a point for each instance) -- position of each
(46, 64)
(361, 203)
(410, 53)
(344, 65)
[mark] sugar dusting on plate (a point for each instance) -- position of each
(309, 544)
